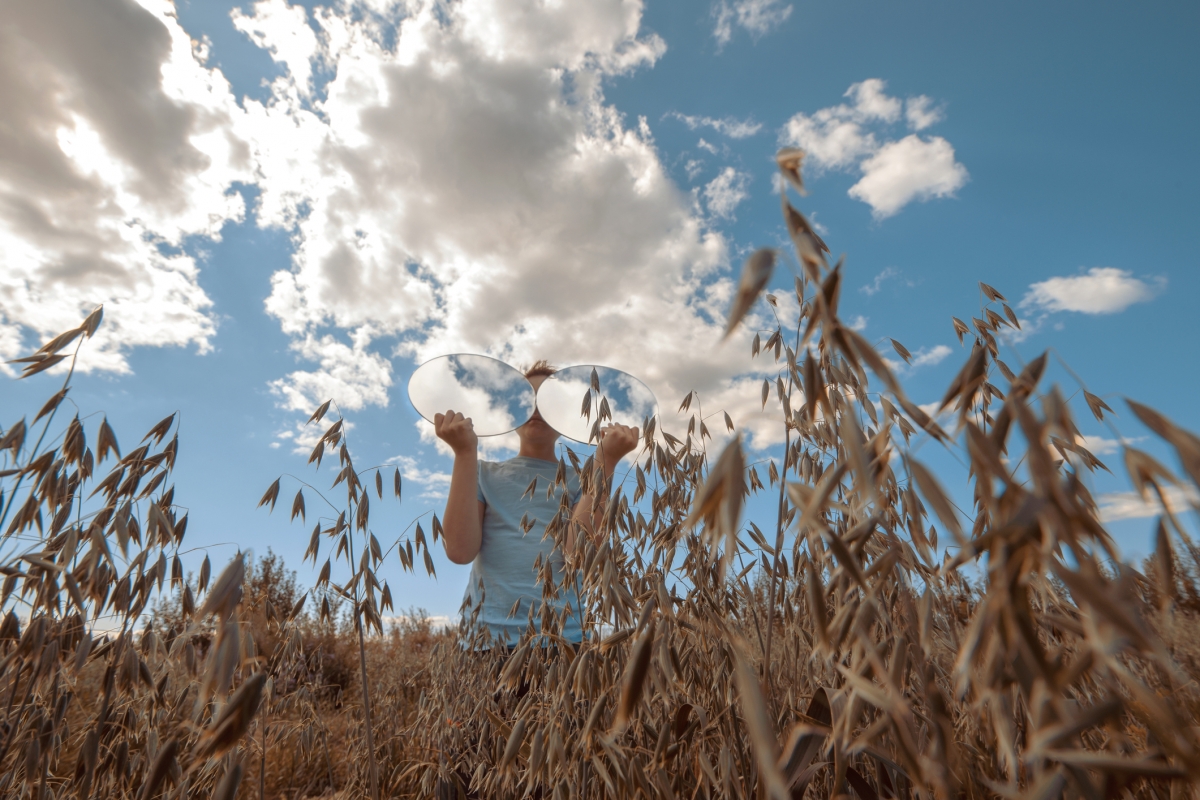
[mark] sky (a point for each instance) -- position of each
(282, 203)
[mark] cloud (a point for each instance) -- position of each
(284, 32)
(348, 373)
(894, 173)
(724, 192)
(1130, 505)
(304, 435)
(758, 17)
(934, 355)
(921, 112)
(872, 103)
(726, 126)
(434, 484)
(118, 144)
(1101, 446)
(517, 214)
(436, 621)
(1103, 290)
(859, 323)
(910, 169)
(834, 138)
(923, 357)
(877, 283)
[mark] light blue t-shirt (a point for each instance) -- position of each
(505, 564)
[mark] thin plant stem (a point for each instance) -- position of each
(362, 664)
(780, 514)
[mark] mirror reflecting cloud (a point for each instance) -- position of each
(497, 397)
(573, 403)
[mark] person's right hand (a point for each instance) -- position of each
(457, 431)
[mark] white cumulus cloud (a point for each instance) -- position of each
(757, 17)
(451, 175)
(725, 192)
(118, 143)
(517, 214)
(853, 136)
(1103, 290)
(348, 372)
(910, 169)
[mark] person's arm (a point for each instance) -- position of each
(616, 441)
(462, 521)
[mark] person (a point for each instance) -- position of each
(495, 523)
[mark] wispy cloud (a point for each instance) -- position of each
(877, 283)
(1102, 446)
(436, 621)
(923, 357)
(921, 112)
(726, 126)
(894, 173)
(304, 437)
(757, 17)
(434, 485)
(1130, 505)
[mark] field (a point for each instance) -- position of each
(837, 649)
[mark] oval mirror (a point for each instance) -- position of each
(575, 399)
(495, 396)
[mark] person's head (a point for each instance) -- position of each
(536, 432)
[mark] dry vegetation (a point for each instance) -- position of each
(840, 651)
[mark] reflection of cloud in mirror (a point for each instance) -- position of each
(560, 400)
(496, 397)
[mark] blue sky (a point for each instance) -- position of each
(302, 204)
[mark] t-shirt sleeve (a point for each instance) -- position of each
(574, 489)
(479, 485)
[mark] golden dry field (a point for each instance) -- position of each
(865, 641)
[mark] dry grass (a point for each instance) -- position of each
(840, 651)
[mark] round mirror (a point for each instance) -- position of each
(575, 399)
(495, 396)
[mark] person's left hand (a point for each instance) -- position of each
(617, 441)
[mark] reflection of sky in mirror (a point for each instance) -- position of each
(560, 400)
(495, 396)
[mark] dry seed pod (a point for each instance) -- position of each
(234, 720)
(635, 677)
(226, 593)
(227, 788)
(755, 274)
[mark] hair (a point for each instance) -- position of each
(540, 367)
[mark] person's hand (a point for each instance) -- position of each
(457, 431)
(617, 441)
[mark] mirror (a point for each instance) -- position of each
(620, 398)
(495, 396)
